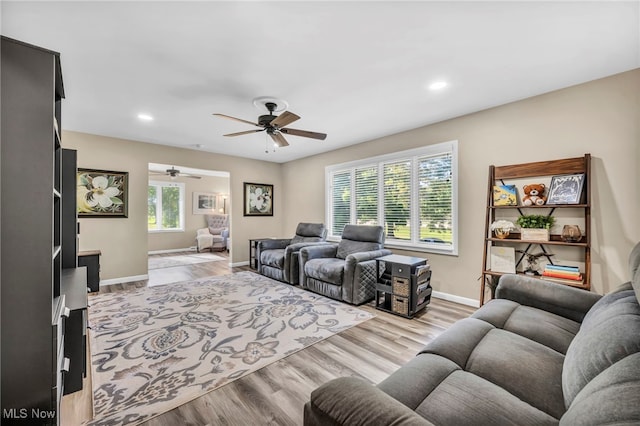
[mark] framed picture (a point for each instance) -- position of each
(566, 189)
(258, 199)
(205, 202)
(505, 195)
(102, 193)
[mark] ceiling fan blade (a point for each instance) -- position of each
(237, 119)
(246, 132)
(284, 119)
(191, 176)
(304, 133)
(279, 139)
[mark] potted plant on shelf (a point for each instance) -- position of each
(535, 227)
(501, 228)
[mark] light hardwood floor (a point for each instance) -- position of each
(276, 394)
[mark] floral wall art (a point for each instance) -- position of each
(102, 193)
(258, 199)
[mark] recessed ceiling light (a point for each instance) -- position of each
(145, 117)
(438, 85)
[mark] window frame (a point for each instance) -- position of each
(182, 204)
(414, 155)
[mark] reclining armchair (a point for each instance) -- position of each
(345, 271)
(278, 258)
(214, 237)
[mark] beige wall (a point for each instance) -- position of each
(192, 221)
(599, 117)
(124, 242)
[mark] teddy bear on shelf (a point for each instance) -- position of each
(533, 195)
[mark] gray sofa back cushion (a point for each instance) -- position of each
(309, 233)
(609, 333)
(360, 238)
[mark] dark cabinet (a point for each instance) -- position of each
(74, 287)
(32, 305)
(91, 259)
(404, 284)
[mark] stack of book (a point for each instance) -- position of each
(562, 271)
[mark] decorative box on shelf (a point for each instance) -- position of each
(534, 234)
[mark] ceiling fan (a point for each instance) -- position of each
(174, 173)
(274, 125)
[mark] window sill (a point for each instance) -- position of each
(162, 231)
(424, 248)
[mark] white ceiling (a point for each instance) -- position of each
(354, 70)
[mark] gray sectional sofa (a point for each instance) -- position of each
(539, 354)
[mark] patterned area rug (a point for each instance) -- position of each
(155, 348)
(157, 262)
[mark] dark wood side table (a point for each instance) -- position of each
(91, 259)
(404, 284)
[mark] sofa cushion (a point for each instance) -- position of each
(610, 398)
(488, 352)
(544, 327)
(437, 389)
(330, 270)
(609, 333)
(273, 257)
(466, 399)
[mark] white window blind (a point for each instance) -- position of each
(397, 200)
(340, 201)
(366, 202)
(413, 194)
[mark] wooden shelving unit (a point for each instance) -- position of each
(501, 175)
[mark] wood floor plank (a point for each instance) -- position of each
(276, 394)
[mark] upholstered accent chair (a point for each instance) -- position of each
(345, 271)
(278, 258)
(214, 236)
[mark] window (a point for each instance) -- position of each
(166, 206)
(411, 193)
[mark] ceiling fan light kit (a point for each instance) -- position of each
(274, 125)
(174, 173)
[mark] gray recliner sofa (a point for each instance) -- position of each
(278, 258)
(345, 271)
(539, 354)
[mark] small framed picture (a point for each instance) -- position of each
(205, 202)
(258, 199)
(566, 189)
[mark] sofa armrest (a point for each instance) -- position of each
(273, 244)
(352, 401)
(365, 255)
(291, 271)
(569, 302)
(202, 231)
(318, 251)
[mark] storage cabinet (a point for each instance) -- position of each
(33, 310)
(74, 287)
(556, 249)
(403, 286)
(91, 259)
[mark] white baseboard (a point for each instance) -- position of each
(233, 265)
(172, 250)
(124, 279)
(457, 299)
